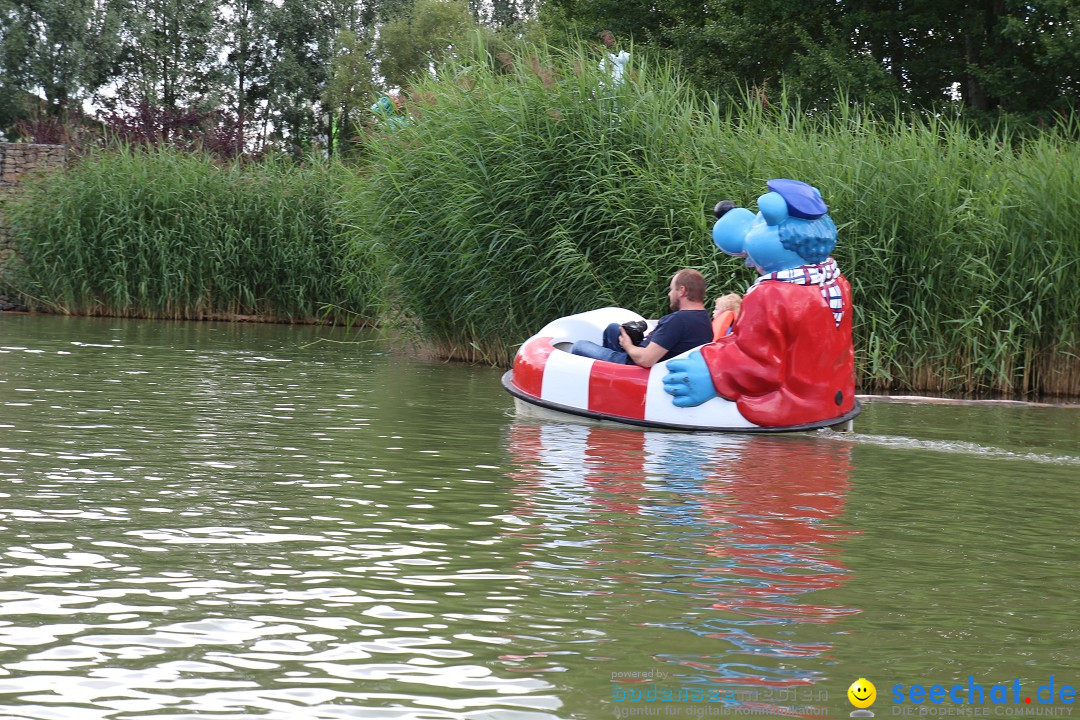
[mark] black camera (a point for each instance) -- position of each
(636, 330)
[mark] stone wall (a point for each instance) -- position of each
(17, 161)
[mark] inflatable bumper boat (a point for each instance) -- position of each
(545, 375)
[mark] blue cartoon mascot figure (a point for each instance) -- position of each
(789, 359)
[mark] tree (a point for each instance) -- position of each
(409, 44)
(502, 13)
(245, 26)
(168, 57)
(808, 47)
(1008, 55)
(63, 50)
(351, 85)
(301, 37)
(1021, 57)
(728, 46)
(995, 55)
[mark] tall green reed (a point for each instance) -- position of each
(533, 188)
(530, 187)
(531, 191)
(160, 233)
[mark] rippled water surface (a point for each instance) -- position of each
(228, 521)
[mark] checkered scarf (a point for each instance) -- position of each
(823, 274)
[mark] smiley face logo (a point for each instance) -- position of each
(862, 693)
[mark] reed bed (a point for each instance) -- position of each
(532, 191)
(534, 187)
(165, 234)
(962, 248)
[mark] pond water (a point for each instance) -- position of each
(227, 521)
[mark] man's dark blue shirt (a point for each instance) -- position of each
(681, 331)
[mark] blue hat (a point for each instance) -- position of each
(803, 201)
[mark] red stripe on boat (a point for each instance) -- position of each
(618, 389)
(529, 365)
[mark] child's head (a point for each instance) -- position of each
(731, 301)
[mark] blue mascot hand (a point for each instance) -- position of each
(689, 381)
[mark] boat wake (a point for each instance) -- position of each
(958, 447)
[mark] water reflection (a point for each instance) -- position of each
(735, 535)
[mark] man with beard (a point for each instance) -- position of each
(687, 327)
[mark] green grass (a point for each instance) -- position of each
(519, 197)
(159, 233)
(530, 190)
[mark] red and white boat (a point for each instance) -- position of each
(546, 376)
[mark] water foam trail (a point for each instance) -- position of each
(958, 447)
(963, 402)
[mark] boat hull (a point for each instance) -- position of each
(552, 410)
(546, 375)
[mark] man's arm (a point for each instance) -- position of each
(646, 356)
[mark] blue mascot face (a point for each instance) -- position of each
(790, 229)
